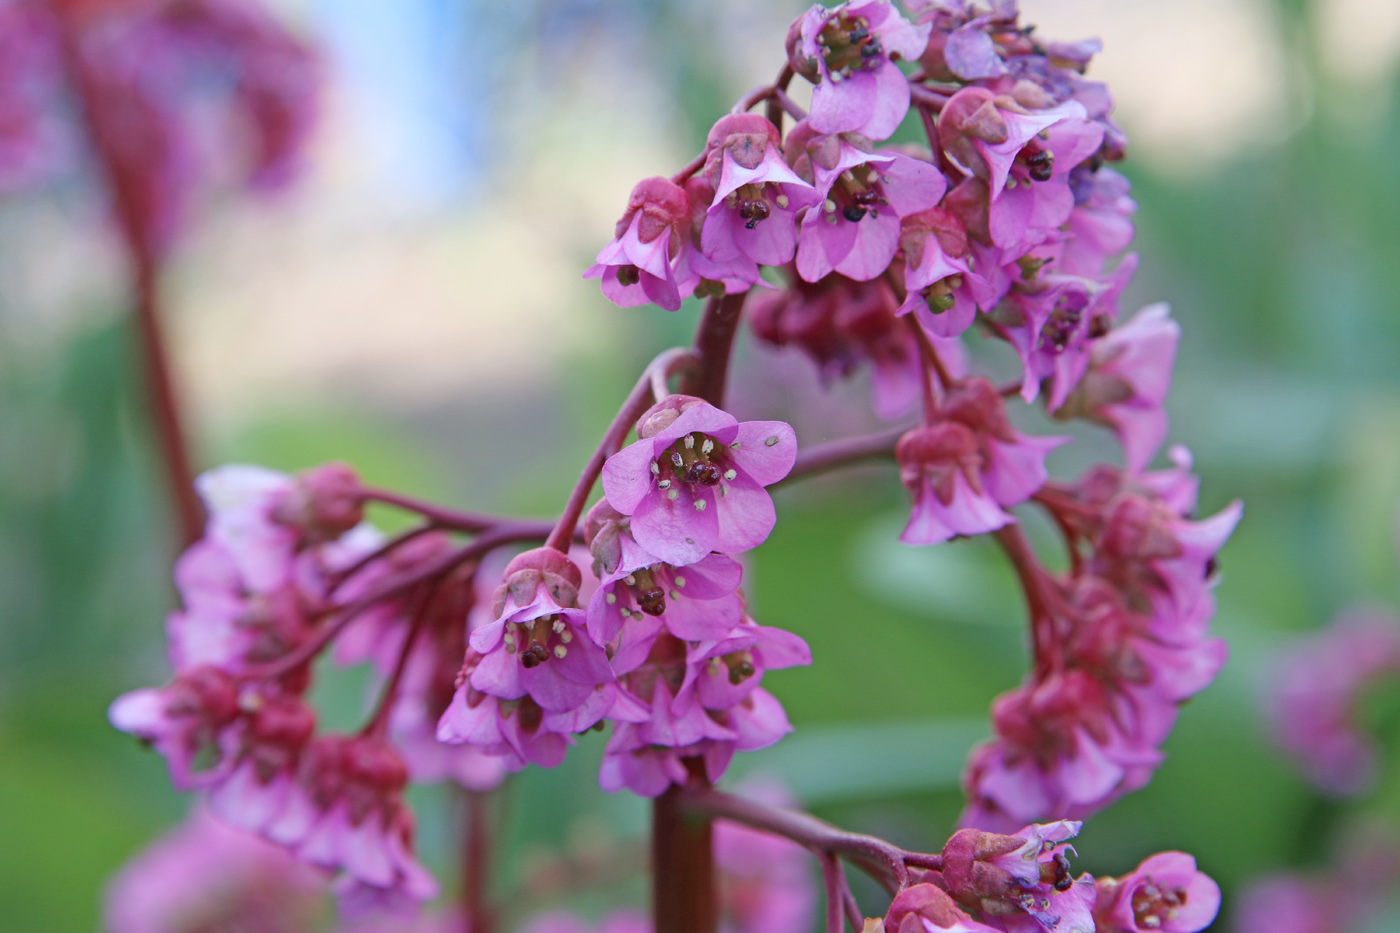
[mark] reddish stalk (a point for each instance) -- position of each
(714, 344)
(638, 401)
(172, 443)
(1034, 580)
(850, 451)
(469, 522)
(476, 864)
(683, 894)
(832, 880)
(691, 167)
(775, 103)
(378, 724)
(930, 394)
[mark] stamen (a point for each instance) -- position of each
(680, 581)
(771, 441)
(558, 626)
(610, 598)
(730, 474)
(560, 651)
(665, 484)
(690, 442)
(630, 579)
(566, 637)
(782, 200)
(699, 505)
(673, 494)
(655, 467)
(708, 446)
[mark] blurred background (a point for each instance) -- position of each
(414, 306)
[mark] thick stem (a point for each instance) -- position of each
(835, 891)
(775, 103)
(477, 912)
(714, 344)
(683, 895)
(166, 420)
(469, 522)
(638, 401)
(1034, 581)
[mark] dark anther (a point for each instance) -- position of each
(1056, 872)
(866, 198)
(870, 50)
(706, 474)
(534, 656)
(860, 32)
(1041, 164)
(652, 601)
(853, 213)
(753, 210)
(740, 672)
(1098, 326)
(629, 275)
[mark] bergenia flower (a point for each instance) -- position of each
(942, 290)
(694, 481)
(856, 230)
(1126, 385)
(940, 466)
(847, 51)
(926, 908)
(188, 721)
(1025, 874)
(756, 195)
(986, 135)
(638, 266)
(1165, 893)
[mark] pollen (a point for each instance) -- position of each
(610, 598)
(829, 206)
(771, 441)
(782, 200)
(708, 446)
(699, 505)
(673, 494)
(558, 626)
(566, 637)
(655, 467)
(665, 484)
(680, 581)
(730, 474)
(630, 579)
(690, 442)
(560, 652)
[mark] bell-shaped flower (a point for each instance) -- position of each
(848, 52)
(638, 266)
(694, 481)
(190, 721)
(941, 467)
(942, 290)
(1165, 893)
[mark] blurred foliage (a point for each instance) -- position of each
(1280, 266)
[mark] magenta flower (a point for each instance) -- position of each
(942, 290)
(347, 814)
(638, 267)
(996, 138)
(1099, 226)
(1313, 690)
(694, 481)
(856, 230)
(538, 644)
(33, 139)
(263, 774)
(1035, 200)
(757, 196)
(1126, 385)
(927, 908)
(640, 596)
(1164, 893)
(206, 876)
(187, 721)
(847, 51)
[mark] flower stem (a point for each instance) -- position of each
(638, 401)
(683, 891)
(476, 863)
(1033, 578)
(822, 458)
(714, 344)
(469, 522)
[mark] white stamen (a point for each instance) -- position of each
(730, 474)
(699, 505)
(655, 467)
(829, 206)
(680, 581)
(665, 484)
(560, 652)
(610, 598)
(848, 175)
(724, 492)
(708, 446)
(782, 200)
(673, 494)
(676, 459)
(566, 637)
(771, 441)
(734, 446)
(836, 77)
(558, 626)
(510, 649)
(675, 594)
(630, 579)
(690, 442)
(509, 639)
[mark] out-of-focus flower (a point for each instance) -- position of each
(1164, 893)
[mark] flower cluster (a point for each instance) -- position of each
(664, 648)
(276, 573)
(1313, 691)
(1022, 883)
(144, 73)
(1120, 642)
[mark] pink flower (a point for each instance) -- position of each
(638, 266)
(186, 721)
(1164, 893)
(694, 481)
(942, 290)
(847, 52)
(856, 230)
(1022, 879)
(996, 138)
(1099, 226)
(756, 195)
(640, 596)
(1129, 375)
(206, 876)
(263, 772)
(927, 908)
(32, 138)
(538, 644)
(1313, 691)
(347, 813)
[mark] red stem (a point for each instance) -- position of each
(847, 452)
(469, 522)
(691, 167)
(476, 864)
(638, 401)
(776, 104)
(714, 344)
(926, 369)
(171, 438)
(683, 896)
(835, 892)
(1034, 581)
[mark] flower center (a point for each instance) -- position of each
(847, 44)
(1155, 904)
(697, 460)
(538, 640)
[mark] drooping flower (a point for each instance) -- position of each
(926, 908)
(941, 289)
(1022, 877)
(1165, 893)
(694, 481)
(847, 51)
(638, 266)
(756, 199)
(1126, 385)
(188, 721)
(864, 194)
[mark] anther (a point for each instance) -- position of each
(676, 459)
(690, 442)
(771, 441)
(708, 446)
(610, 598)
(630, 579)
(730, 474)
(829, 206)
(665, 484)
(558, 626)
(566, 637)
(782, 200)
(655, 467)
(560, 651)
(673, 494)
(680, 581)
(699, 505)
